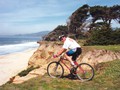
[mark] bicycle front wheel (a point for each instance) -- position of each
(85, 72)
(55, 70)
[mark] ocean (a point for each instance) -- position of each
(11, 44)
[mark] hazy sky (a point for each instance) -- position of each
(30, 16)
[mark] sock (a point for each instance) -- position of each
(72, 63)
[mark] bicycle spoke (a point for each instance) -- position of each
(55, 70)
(85, 72)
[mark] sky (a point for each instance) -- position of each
(31, 16)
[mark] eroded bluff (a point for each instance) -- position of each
(43, 56)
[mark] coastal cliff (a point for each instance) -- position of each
(43, 56)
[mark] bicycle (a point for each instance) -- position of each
(82, 71)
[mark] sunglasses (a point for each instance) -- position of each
(61, 39)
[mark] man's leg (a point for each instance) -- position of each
(69, 58)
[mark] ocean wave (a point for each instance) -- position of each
(7, 49)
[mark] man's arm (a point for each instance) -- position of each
(61, 51)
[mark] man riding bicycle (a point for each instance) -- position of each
(74, 49)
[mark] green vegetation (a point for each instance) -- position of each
(109, 47)
(101, 36)
(25, 72)
(107, 77)
(59, 30)
(91, 23)
(115, 48)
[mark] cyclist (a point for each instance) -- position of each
(71, 47)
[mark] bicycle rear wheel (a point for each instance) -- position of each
(84, 72)
(55, 70)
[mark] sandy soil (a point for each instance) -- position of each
(12, 64)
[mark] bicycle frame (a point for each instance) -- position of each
(82, 71)
(75, 62)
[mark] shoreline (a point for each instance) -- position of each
(12, 64)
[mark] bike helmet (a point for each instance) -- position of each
(61, 36)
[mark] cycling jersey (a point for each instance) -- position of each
(70, 44)
(75, 48)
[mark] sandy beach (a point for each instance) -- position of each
(12, 64)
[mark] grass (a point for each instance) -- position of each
(107, 77)
(115, 48)
(109, 47)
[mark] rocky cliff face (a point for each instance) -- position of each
(43, 56)
(95, 57)
(44, 53)
(40, 58)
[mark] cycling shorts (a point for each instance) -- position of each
(74, 53)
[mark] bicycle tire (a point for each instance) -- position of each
(84, 72)
(55, 70)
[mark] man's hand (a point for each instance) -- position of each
(55, 56)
